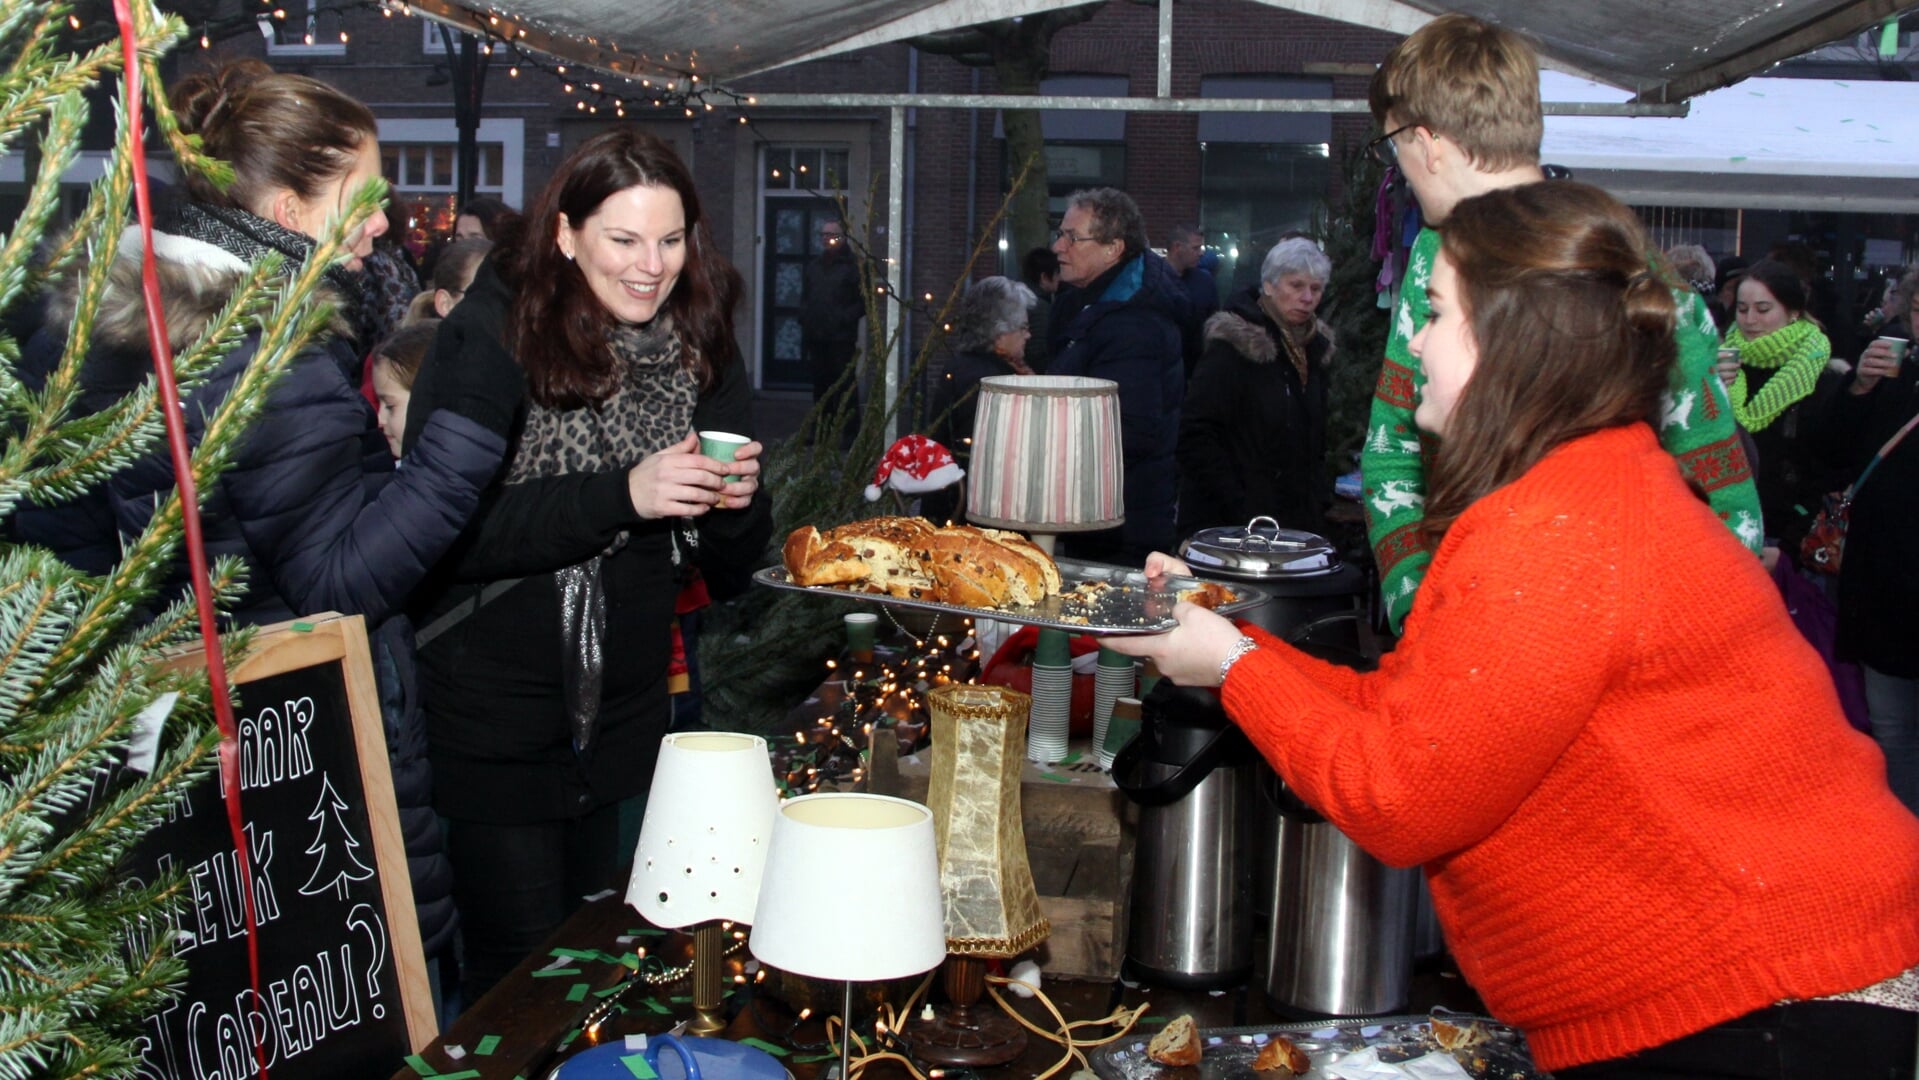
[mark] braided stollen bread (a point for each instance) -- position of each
(909, 558)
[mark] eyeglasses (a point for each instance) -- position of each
(1383, 149)
(1072, 238)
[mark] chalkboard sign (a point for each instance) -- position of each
(343, 989)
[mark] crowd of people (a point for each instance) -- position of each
(1651, 835)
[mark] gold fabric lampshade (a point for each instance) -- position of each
(1046, 455)
(986, 884)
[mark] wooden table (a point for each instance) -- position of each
(529, 1013)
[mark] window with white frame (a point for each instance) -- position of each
(420, 160)
(305, 31)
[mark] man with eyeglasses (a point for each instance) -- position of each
(1117, 316)
(1458, 101)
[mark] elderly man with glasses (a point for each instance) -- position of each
(1117, 316)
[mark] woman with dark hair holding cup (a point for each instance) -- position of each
(546, 645)
(1879, 575)
(1651, 861)
(1782, 352)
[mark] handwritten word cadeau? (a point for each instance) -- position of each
(293, 1015)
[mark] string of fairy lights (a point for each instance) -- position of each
(887, 693)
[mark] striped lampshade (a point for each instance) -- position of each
(1046, 454)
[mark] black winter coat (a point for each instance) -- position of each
(496, 721)
(311, 504)
(1879, 580)
(1252, 438)
(1124, 326)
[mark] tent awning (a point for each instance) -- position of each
(1806, 144)
(1663, 52)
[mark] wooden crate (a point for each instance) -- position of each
(1079, 840)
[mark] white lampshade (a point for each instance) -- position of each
(709, 820)
(870, 851)
(1046, 454)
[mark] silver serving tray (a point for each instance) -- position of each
(1229, 1052)
(1132, 605)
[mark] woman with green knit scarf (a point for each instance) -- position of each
(1782, 353)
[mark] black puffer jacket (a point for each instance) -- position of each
(312, 504)
(497, 723)
(1124, 326)
(1252, 436)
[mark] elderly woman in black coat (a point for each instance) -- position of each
(989, 338)
(1252, 438)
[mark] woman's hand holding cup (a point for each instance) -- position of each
(1880, 361)
(1727, 366)
(680, 481)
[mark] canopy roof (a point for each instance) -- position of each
(1841, 145)
(1660, 50)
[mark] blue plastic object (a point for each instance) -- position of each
(687, 1058)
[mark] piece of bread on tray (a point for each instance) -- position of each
(1176, 1044)
(1279, 1056)
(909, 558)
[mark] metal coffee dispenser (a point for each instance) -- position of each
(1191, 772)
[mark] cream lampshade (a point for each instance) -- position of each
(986, 886)
(709, 823)
(839, 849)
(992, 906)
(1046, 454)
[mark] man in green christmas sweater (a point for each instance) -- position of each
(1459, 102)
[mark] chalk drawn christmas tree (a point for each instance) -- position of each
(338, 866)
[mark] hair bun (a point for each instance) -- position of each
(205, 99)
(1650, 306)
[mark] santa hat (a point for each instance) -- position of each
(913, 466)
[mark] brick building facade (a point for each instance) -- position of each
(1239, 176)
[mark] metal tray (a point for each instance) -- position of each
(1230, 1051)
(1132, 605)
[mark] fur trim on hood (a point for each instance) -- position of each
(196, 281)
(1253, 341)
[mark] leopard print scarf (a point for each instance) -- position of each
(650, 409)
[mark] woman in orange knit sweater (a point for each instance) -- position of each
(1654, 858)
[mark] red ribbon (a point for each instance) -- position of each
(189, 512)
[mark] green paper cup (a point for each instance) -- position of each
(862, 633)
(1054, 649)
(722, 446)
(1898, 345)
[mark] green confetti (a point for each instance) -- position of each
(307, 628)
(1737, 157)
(1070, 758)
(555, 971)
(811, 1058)
(1154, 1021)
(577, 992)
(1056, 778)
(487, 1046)
(658, 1008)
(418, 1064)
(636, 1064)
(762, 1044)
(570, 1036)
(1847, 120)
(631, 960)
(681, 999)
(577, 954)
(609, 991)
(1847, 85)
(646, 931)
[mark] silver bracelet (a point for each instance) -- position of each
(1240, 648)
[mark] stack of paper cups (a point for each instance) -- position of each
(1052, 698)
(1111, 681)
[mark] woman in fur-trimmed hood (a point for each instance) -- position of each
(1252, 437)
(311, 503)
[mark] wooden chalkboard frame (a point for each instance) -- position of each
(332, 638)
